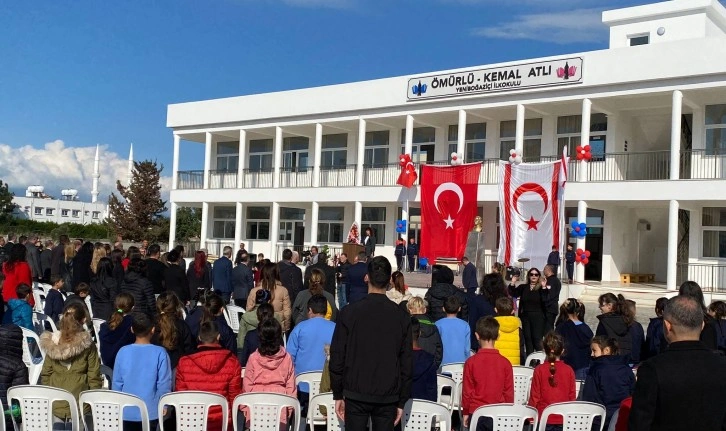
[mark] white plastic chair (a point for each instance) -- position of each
(39, 321)
(331, 420)
(420, 415)
(34, 366)
(39, 298)
(443, 382)
(45, 287)
(107, 376)
(97, 331)
(505, 417)
(522, 384)
(456, 371)
(535, 356)
(107, 408)
(312, 379)
(192, 409)
(36, 406)
(232, 315)
(266, 410)
(2, 422)
(576, 415)
(578, 387)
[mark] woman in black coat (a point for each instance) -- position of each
(531, 308)
(137, 285)
(13, 371)
(82, 266)
(199, 276)
(104, 288)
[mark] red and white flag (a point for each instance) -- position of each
(448, 208)
(531, 211)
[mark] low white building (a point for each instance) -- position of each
(296, 168)
(35, 205)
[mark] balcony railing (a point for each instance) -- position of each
(625, 166)
(296, 177)
(711, 278)
(190, 180)
(703, 165)
(343, 176)
(222, 179)
(257, 178)
(381, 175)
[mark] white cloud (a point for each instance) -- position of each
(563, 27)
(57, 166)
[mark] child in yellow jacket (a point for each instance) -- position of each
(510, 340)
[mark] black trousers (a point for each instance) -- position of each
(399, 263)
(411, 263)
(358, 413)
(570, 270)
(533, 327)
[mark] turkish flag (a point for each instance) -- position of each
(408, 175)
(448, 208)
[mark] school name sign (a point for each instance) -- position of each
(566, 71)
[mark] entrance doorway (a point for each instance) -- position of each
(595, 221)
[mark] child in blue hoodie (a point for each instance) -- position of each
(19, 311)
(577, 336)
(655, 341)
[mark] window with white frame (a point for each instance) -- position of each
(423, 144)
(258, 223)
(532, 139)
(376, 149)
(330, 224)
(715, 129)
(64, 213)
(76, 213)
(38, 210)
(475, 141)
(288, 218)
(639, 39)
(227, 156)
(95, 214)
(49, 211)
(713, 225)
(568, 133)
(334, 151)
(260, 155)
(223, 222)
(295, 153)
(375, 218)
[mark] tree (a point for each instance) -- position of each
(6, 201)
(139, 215)
(188, 223)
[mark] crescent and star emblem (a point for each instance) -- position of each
(451, 187)
(530, 188)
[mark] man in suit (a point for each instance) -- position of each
(329, 271)
(411, 253)
(290, 274)
(680, 388)
(243, 281)
(357, 287)
(551, 296)
(58, 257)
(222, 275)
(155, 269)
(11, 242)
(32, 256)
(468, 275)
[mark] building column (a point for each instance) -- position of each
(317, 154)
(205, 223)
(461, 138)
(581, 218)
(238, 224)
(274, 231)
(519, 133)
(408, 144)
(358, 214)
(207, 157)
(277, 157)
(582, 169)
(314, 215)
(242, 159)
(172, 225)
(361, 153)
(676, 113)
(175, 163)
(671, 274)
(404, 216)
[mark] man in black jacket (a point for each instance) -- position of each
(551, 296)
(371, 357)
(468, 276)
(243, 281)
(155, 268)
(58, 257)
(680, 388)
(357, 287)
(329, 271)
(442, 286)
(290, 275)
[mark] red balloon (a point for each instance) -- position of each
(579, 251)
(577, 258)
(588, 155)
(585, 261)
(578, 148)
(586, 148)
(587, 253)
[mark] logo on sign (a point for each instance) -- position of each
(566, 72)
(419, 89)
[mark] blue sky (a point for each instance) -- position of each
(98, 72)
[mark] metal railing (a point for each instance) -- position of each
(711, 278)
(331, 176)
(333, 250)
(296, 177)
(257, 178)
(381, 175)
(702, 165)
(223, 179)
(190, 180)
(625, 166)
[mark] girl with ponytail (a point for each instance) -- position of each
(213, 311)
(172, 332)
(116, 333)
(576, 335)
(615, 322)
(553, 381)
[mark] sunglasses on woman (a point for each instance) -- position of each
(534, 274)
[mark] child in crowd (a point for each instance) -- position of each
(270, 368)
(655, 341)
(454, 332)
(430, 339)
(54, 299)
(171, 331)
(423, 386)
(19, 311)
(142, 369)
(717, 310)
(577, 336)
(211, 369)
(252, 339)
(116, 333)
(14, 372)
(249, 320)
(510, 343)
(637, 335)
(488, 376)
(553, 381)
(71, 360)
(609, 380)
(213, 310)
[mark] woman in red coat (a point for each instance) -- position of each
(17, 271)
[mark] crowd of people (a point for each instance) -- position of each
(166, 329)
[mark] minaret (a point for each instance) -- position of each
(96, 176)
(131, 165)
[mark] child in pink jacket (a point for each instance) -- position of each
(270, 368)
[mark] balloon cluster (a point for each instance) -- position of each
(579, 230)
(514, 158)
(457, 159)
(404, 160)
(582, 256)
(583, 152)
(400, 226)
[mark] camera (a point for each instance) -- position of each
(511, 272)
(305, 253)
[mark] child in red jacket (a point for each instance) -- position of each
(212, 369)
(488, 376)
(553, 381)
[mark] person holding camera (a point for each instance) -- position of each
(310, 257)
(531, 306)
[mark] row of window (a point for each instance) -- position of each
(64, 212)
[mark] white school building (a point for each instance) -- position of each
(297, 168)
